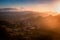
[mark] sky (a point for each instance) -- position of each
(34, 5)
(7, 3)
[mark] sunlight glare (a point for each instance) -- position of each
(58, 9)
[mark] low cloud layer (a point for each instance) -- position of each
(10, 9)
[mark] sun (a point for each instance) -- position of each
(56, 6)
(57, 9)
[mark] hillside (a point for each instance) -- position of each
(28, 25)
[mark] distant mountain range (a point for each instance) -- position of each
(21, 10)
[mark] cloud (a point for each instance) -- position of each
(7, 9)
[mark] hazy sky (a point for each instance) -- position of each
(35, 5)
(8, 3)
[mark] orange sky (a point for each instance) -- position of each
(37, 6)
(43, 7)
